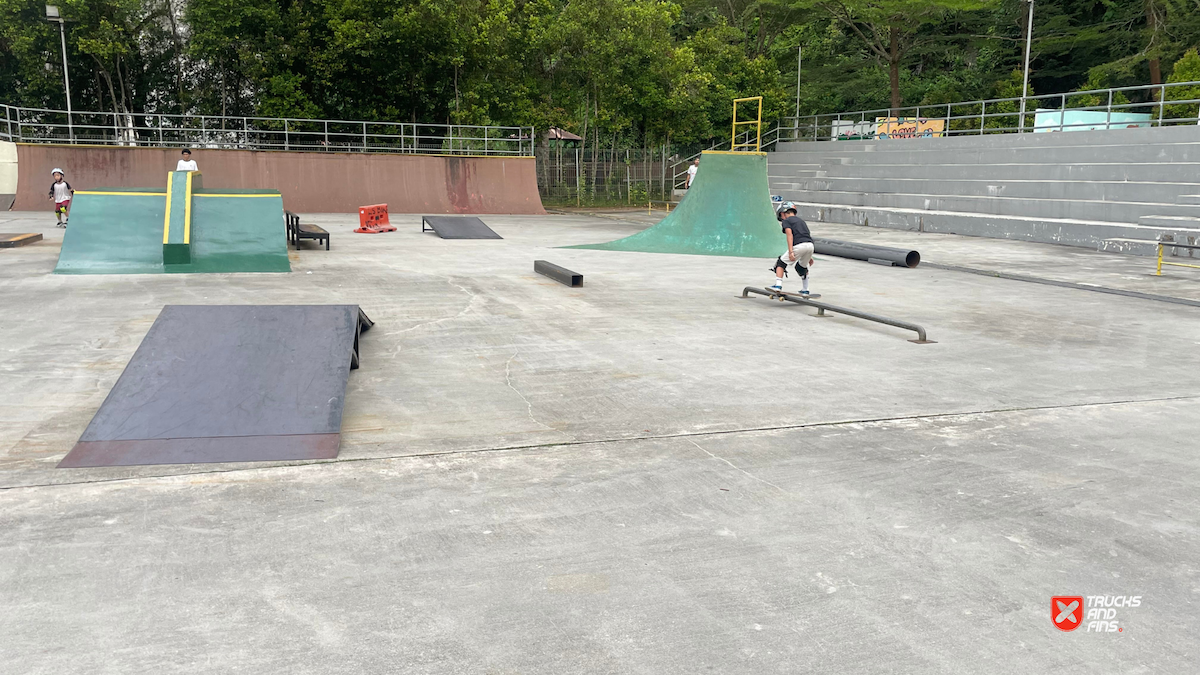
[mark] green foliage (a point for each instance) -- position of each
(617, 72)
(1187, 69)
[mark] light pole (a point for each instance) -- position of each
(799, 64)
(1025, 83)
(53, 16)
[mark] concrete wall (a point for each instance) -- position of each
(1068, 188)
(8, 174)
(311, 182)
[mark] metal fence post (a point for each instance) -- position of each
(1162, 97)
(1108, 113)
(160, 129)
(286, 142)
(364, 136)
(326, 135)
(982, 115)
(662, 171)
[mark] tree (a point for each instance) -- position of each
(1186, 69)
(890, 28)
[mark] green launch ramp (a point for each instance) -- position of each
(727, 211)
(185, 228)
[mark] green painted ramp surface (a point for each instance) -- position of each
(238, 232)
(114, 234)
(115, 231)
(727, 211)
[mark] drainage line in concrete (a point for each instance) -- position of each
(601, 441)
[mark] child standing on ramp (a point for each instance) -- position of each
(799, 248)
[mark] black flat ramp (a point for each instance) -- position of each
(229, 383)
(458, 227)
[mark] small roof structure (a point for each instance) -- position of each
(556, 134)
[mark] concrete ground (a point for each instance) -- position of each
(648, 474)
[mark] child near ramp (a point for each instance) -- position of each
(60, 192)
(799, 248)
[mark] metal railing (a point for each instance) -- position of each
(822, 307)
(1160, 105)
(40, 125)
(680, 166)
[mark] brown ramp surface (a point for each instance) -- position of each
(310, 182)
(229, 383)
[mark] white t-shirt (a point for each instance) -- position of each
(692, 174)
(186, 165)
(62, 191)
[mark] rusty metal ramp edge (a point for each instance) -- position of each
(229, 383)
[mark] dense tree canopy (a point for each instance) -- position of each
(637, 70)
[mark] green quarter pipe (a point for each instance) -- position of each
(727, 211)
(184, 228)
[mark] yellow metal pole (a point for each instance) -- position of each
(1158, 273)
(758, 139)
(733, 130)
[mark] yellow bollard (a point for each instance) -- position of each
(1158, 273)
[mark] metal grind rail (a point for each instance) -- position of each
(823, 307)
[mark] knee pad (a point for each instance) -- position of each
(802, 271)
(779, 263)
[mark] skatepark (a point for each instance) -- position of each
(645, 473)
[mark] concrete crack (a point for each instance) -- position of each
(466, 308)
(528, 405)
(736, 467)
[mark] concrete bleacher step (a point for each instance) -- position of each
(1147, 247)
(1078, 189)
(1172, 172)
(1108, 191)
(1051, 207)
(1135, 154)
(1172, 222)
(1065, 231)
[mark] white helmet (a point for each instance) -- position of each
(58, 171)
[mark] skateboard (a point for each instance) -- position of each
(779, 295)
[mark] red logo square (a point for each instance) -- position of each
(1066, 611)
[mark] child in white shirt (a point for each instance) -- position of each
(187, 163)
(60, 192)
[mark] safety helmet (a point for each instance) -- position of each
(58, 171)
(786, 206)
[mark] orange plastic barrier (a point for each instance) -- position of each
(374, 219)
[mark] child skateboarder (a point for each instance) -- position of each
(60, 192)
(799, 248)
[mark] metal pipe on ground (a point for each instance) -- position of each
(884, 254)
